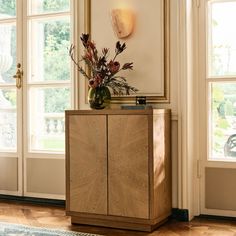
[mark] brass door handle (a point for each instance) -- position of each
(18, 76)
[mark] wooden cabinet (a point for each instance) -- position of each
(118, 167)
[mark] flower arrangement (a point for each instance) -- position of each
(104, 71)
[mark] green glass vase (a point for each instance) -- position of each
(99, 98)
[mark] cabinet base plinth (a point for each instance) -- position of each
(148, 227)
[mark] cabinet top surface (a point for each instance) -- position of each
(118, 112)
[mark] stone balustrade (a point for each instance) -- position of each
(54, 123)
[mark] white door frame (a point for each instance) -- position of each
(203, 107)
(73, 18)
(19, 149)
(21, 18)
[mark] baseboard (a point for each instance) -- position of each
(32, 200)
(180, 214)
(214, 217)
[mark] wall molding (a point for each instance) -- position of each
(174, 116)
(164, 97)
(188, 110)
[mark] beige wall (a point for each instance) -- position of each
(145, 47)
(143, 43)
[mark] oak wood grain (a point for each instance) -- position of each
(134, 160)
(128, 166)
(112, 224)
(161, 166)
(88, 164)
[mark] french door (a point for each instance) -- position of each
(35, 89)
(217, 54)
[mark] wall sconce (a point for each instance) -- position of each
(122, 22)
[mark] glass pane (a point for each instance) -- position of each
(223, 120)
(222, 39)
(49, 40)
(8, 120)
(48, 6)
(7, 9)
(47, 123)
(7, 53)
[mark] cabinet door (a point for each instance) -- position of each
(128, 189)
(88, 164)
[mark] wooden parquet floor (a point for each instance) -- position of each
(54, 217)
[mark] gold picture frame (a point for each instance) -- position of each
(150, 99)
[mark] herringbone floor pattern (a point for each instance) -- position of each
(54, 217)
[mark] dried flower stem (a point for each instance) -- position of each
(80, 69)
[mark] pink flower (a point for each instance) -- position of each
(114, 66)
(88, 56)
(98, 79)
(93, 83)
